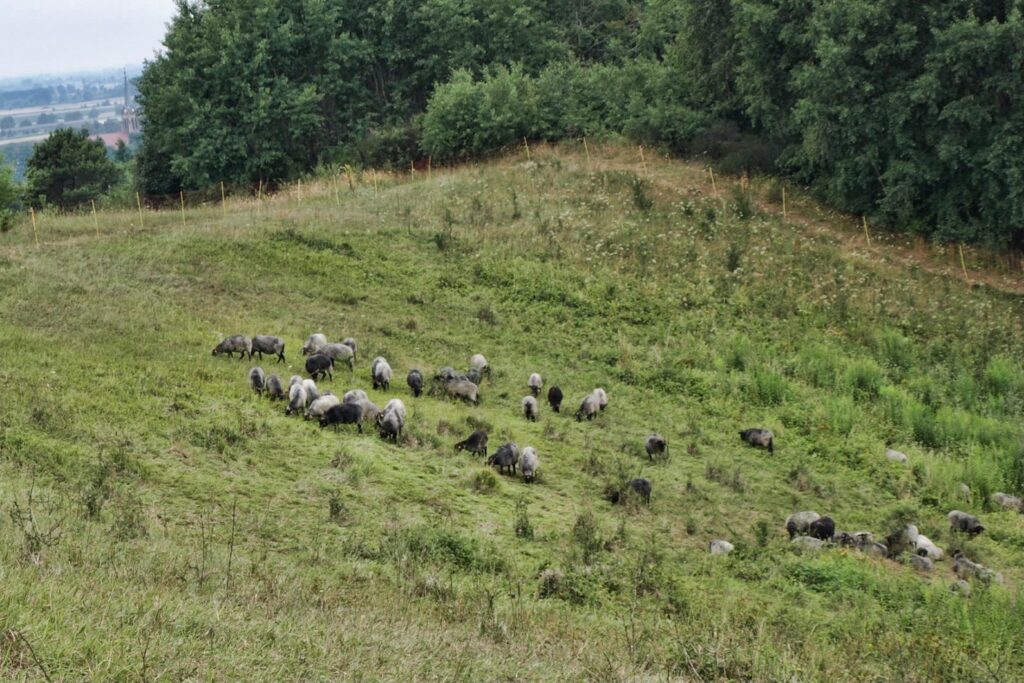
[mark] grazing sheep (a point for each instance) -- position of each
(354, 396)
(529, 404)
(320, 406)
(589, 408)
(808, 543)
(844, 539)
(296, 399)
(312, 393)
(369, 408)
(896, 456)
(343, 414)
(964, 491)
(507, 456)
(479, 363)
(656, 446)
(873, 549)
(924, 547)
(961, 521)
(295, 379)
(800, 522)
(464, 389)
(529, 462)
(239, 344)
(760, 438)
(313, 344)
(1007, 501)
(391, 420)
(961, 587)
(902, 539)
(476, 443)
(350, 343)
(319, 366)
(446, 374)
(720, 547)
(555, 399)
(275, 392)
(822, 529)
(922, 564)
(535, 383)
(966, 569)
(257, 380)
(639, 486)
(339, 352)
(380, 372)
(262, 344)
(602, 398)
(415, 381)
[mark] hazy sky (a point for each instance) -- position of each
(53, 36)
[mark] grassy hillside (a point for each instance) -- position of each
(162, 522)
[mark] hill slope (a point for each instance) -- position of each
(162, 522)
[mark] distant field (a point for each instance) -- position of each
(163, 523)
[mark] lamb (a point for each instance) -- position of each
(535, 383)
(602, 398)
(588, 408)
(391, 420)
(760, 438)
(312, 393)
(507, 456)
(313, 344)
(925, 548)
(296, 398)
(656, 446)
(262, 344)
(380, 372)
(800, 522)
(555, 399)
(320, 406)
(480, 363)
(354, 396)
(1007, 501)
(415, 381)
(476, 443)
(339, 352)
(238, 343)
(529, 404)
(530, 462)
(344, 414)
(961, 521)
(720, 547)
(464, 389)
(350, 343)
(319, 366)
(257, 380)
(275, 392)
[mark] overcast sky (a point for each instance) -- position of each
(55, 36)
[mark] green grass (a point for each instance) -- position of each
(161, 522)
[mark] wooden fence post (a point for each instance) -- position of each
(35, 230)
(95, 220)
(138, 202)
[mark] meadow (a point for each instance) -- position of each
(162, 522)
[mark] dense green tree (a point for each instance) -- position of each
(8, 195)
(68, 169)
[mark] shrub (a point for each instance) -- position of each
(864, 378)
(769, 388)
(816, 365)
(896, 351)
(842, 414)
(484, 481)
(739, 353)
(522, 525)
(586, 536)
(1002, 375)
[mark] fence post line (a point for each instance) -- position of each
(95, 220)
(783, 202)
(867, 236)
(714, 187)
(643, 161)
(35, 230)
(223, 200)
(586, 149)
(963, 264)
(374, 182)
(181, 195)
(527, 146)
(259, 195)
(138, 202)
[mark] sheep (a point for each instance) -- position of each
(380, 372)
(964, 491)
(344, 414)
(480, 363)
(720, 547)
(369, 408)
(275, 392)
(474, 376)
(921, 563)
(464, 389)
(321, 405)
(354, 396)
(902, 539)
(555, 399)
(529, 404)
(823, 529)
(319, 366)
(602, 398)
(639, 486)
(391, 420)
(535, 383)
(808, 543)
(295, 379)
(961, 587)
(800, 522)
(350, 343)
(238, 343)
(896, 456)
(760, 438)
(446, 374)
(656, 446)
(507, 456)
(589, 408)
(296, 398)
(262, 344)
(961, 521)
(415, 381)
(313, 344)
(1007, 501)
(966, 569)
(924, 547)
(257, 380)
(873, 549)
(339, 352)
(476, 443)
(312, 393)
(530, 462)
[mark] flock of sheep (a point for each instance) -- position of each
(806, 529)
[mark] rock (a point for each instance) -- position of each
(720, 547)
(896, 456)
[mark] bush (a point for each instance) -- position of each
(896, 351)
(769, 388)
(1002, 375)
(864, 378)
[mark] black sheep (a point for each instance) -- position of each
(343, 414)
(640, 486)
(507, 456)
(415, 381)
(823, 529)
(555, 398)
(762, 438)
(319, 365)
(476, 443)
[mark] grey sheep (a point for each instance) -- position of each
(808, 543)
(319, 366)
(391, 420)
(479, 363)
(343, 414)
(761, 438)
(529, 462)
(961, 521)
(313, 344)
(507, 456)
(312, 393)
(535, 383)
(896, 456)
(463, 389)
(656, 446)
(921, 563)
(257, 380)
(369, 408)
(295, 379)
(275, 391)
(473, 375)
(354, 396)
(238, 343)
(339, 352)
(966, 569)
(529, 404)
(642, 487)
(321, 405)
(446, 374)
(476, 443)
(380, 372)
(800, 522)
(602, 398)
(262, 344)
(1007, 501)
(350, 343)
(720, 547)
(588, 408)
(415, 381)
(924, 547)
(296, 399)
